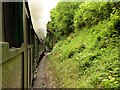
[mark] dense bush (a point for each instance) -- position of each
(61, 24)
(91, 13)
(62, 18)
(67, 17)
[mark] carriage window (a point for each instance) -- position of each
(13, 24)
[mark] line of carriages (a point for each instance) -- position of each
(20, 47)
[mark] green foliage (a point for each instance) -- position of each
(62, 18)
(91, 13)
(88, 58)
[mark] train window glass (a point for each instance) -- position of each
(13, 24)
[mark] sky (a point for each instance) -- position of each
(40, 14)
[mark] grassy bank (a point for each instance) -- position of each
(87, 37)
(88, 58)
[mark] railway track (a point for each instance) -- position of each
(44, 77)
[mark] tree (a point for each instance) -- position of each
(62, 18)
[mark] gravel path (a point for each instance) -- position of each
(44, 77)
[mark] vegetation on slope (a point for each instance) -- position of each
(87, 57)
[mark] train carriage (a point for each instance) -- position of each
(20, 45)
